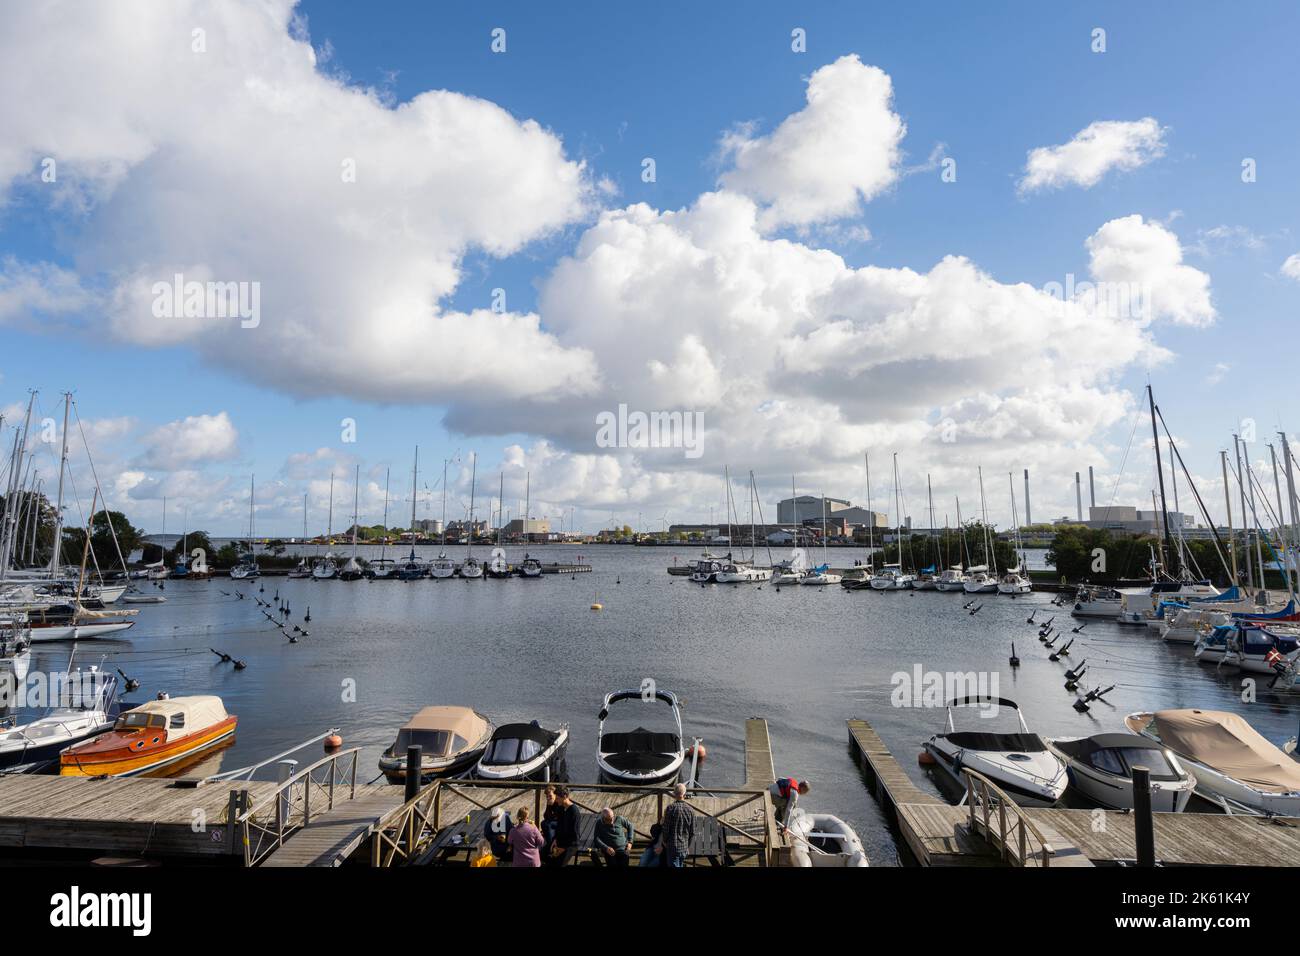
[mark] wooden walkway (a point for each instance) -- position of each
(330, 838)
(118, 815)
(939, 834)
(759, 768)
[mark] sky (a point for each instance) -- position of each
(969, 236)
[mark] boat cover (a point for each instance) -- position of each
(199, 712)
(464, 721)
(1226, 743)
(526, 732)
(997, 743)
(639, 741)
(1090, 745)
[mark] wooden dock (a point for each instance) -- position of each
(329, 839)
(939, 834)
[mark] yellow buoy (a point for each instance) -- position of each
(598, 607)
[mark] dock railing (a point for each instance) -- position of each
(1012, 833)
(402, 835)
(265, 825)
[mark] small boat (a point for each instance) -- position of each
(382, 569)
(705, 570)
(326, 569)
(151, 737)
(301, 570)
(442, 566)
(531, 568)
(412, 569)
(1260, 650)
(979, 581)
(69, 623)
(138, 598)
(926, 580)
(498, 566)
(1101, 768)
(1233, 765)
(470, 568)
(891, 577)
(89, 707)
(1019, 762)
(820, 576)
(951, 579)
(1013, 581)
(451, 740)
(821, 839)
(640, 757)
(351, 570)
(524, 752)
(1093, 601)
(247, 567)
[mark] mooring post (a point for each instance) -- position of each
(412, 771)
(1144, 833)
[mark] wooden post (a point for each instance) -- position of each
(1144, 834)
(412, 772)
(232, 811)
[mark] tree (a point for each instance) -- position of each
(188, 543)
(129, 538)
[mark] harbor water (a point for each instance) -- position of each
(806, 658)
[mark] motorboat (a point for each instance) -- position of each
(979, 581)
(821, 839)
(1018, 762)
(152, 737)
(451, 740)
(891, 577)
(951, 579)
(1094, 601)
(88, 707)
(1101, 768)
(640, 757)
(1234, 766)
(706, 570)
(524, 752)
(1013, 581)
(821, 576)
(1261, 650)
(530, 568)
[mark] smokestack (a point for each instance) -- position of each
(1027, 519)
(1078, 495)
(1092, 492)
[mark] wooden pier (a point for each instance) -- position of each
(939, 834)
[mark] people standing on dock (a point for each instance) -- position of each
(653, 854)
(497, 832)
(526, 841)
(566, 834)
(679, 829)
(550, 816)
(785, 794)
(612, 841)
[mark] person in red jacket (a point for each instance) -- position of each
(785, 793)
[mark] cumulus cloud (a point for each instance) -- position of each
(1291, 267)
(1147, 258)
(820, 163)
(197, 439)
(1093, 152)
(245, 163)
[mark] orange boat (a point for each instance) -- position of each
(151, 736)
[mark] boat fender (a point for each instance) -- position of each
(925, 758)
(333, 742)
(691, 752)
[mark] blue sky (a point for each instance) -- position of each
(982, 85)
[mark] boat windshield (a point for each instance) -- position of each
(431, 742)
(139, 721)
(1121, 761)
(511, 750)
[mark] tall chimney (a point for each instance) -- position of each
(1092, 491)
(1027, 521)
(1078, 495)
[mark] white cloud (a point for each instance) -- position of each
(1092, 153)
(820, 163)
(197, 439)
(1130, 252)
(1291, 267)
(1218, 373)
(232, 165)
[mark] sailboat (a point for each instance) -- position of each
(743, 571)
(953, 578)
(470, 568)
(412, 569)
(247, 567)
(531, 567)
(892, 577)
(160, 571)
(351, 570)
(443, 566)
(1013, 581)
(822, 574)
(979, 579)
(498, 567)
(383, 568)
(326, 568)
(303, 568)
(927, 579)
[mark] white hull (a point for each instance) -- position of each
(820, 839)
(979, 586)
(820, 580)
(442, 571)
(788, 578)
(77, 632)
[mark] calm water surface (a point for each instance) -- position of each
(805, 658)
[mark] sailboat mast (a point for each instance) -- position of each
(356, 498)
(871, 515)
(444, 504)
(528, 501)
(473, 484)
(383, 550)
(1227, 500)
(1160, 478)
(329, 526)
(929, 494)
(58, 511)
(898, 505)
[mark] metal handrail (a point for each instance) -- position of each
(292, 803)
(1022, 826)
(298, 778)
